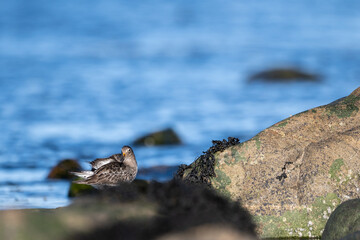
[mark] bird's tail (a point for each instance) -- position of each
(83, 174)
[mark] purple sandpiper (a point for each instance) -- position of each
(111, 171)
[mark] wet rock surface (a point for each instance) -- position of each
(164, 137)
(63, 168)
(129, 212)
(292, 175)
(284, 75)
(344, 222)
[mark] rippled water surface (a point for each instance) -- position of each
(79, 79)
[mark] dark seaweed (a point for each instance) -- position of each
(203, 171)
(283, 169)
(282, 176)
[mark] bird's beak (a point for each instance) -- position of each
(124, 154)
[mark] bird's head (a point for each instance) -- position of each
(127, 151)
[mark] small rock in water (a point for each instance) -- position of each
(63, 168)
(284, 75)
(164, 137)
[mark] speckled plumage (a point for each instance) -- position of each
(111, 171)
(99, 162)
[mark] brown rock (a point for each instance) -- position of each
(292, 175)
(63, 168)
(284, 75)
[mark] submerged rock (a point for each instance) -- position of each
(63, 168)
(292, 175)
(284, 75)
(344, 221)
(164, 137)
(77, 190)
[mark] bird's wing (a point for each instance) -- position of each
(111, 173)
(99, 162)
(118, 157)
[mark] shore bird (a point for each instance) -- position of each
(111, 171)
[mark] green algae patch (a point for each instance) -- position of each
(239, 157)
(283, 124)
(306, 222)
(236, 155)
(257, 141)
(335, 168)
(321, 210)
(343, 108)
(220, 183)
(228, 159)
(314, 111)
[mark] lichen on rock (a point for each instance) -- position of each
(321, 147)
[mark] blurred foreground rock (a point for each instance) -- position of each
(352, 236)
(344, 222)
(208, 232)
(292, 175)
(284, 75)
(158, 211)
(63, 168)
(164, 137)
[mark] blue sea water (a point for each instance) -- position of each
(79, 79)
